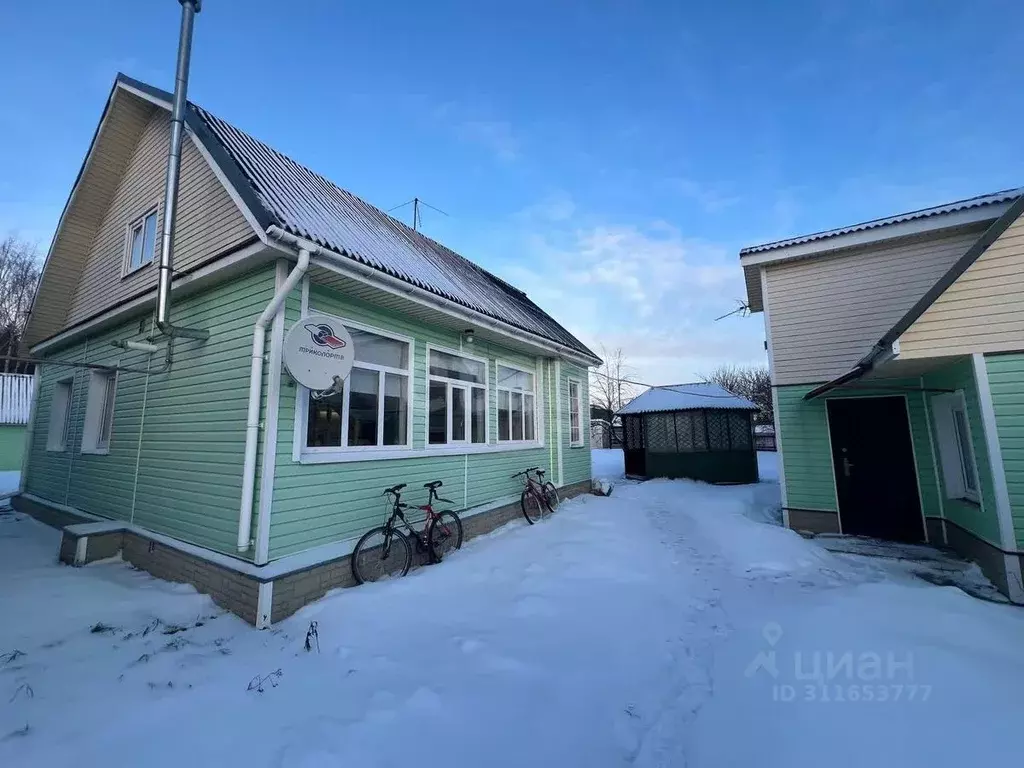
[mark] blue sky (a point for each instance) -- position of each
(610, 158)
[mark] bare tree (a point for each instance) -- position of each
(19, 277)
(753, 382)
(613, 384)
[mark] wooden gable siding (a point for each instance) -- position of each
(208, 221)
(825, 314)
(981, 311)
(125, 121)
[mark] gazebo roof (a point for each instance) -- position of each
(686, 397)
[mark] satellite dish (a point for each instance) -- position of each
(318, 352)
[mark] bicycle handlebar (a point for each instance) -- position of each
(525, 472)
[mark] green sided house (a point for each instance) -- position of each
(188, 447)
(897, 360)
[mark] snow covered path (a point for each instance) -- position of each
(620, 632)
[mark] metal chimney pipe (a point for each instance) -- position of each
(189, 8)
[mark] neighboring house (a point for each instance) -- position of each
(15, 406)
(764, 437)
(897, 359)
(699, 431)
(458, 377)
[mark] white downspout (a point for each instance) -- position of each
(252, 421)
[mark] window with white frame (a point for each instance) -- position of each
(956, 450)
(575, 411)
(141, 242)
(60, 416)
(372, 410)
(457, 398)
(99, 412)
(517, 404)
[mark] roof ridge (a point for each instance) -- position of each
(690, 384)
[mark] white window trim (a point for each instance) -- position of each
(338, 453)
(454, 449)
(126, 266)
(943, 407)
(486, 386)
(94, 404)
(57, 443)
(538, 437)
(579, 411)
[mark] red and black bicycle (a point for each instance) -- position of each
(386, 551)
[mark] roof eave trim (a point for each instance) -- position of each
(847, 377)
(67, 204)
(826, 244)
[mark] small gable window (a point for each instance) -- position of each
(141, 242)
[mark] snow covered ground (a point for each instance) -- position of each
(664, 625)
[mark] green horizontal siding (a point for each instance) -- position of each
(1006, 382)
(188, 447)
(981, 520)
(575, 460)
(316, 504)
(807, 454)
(12, 446)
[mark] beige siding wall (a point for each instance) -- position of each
(208, 222)
(126, 120)
(981, 311)
(826, 313)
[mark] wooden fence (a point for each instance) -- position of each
(15, 398)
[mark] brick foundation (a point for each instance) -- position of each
(298, 589)
(229, 589)
(234, 590)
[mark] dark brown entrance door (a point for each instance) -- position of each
(876, 479)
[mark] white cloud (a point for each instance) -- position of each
(649, 290)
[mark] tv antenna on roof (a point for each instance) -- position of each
(742, 309)
(417, 217)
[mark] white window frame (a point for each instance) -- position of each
(468, 385)
(59, 431)
(577, 443)
(138, 223)
(96, 410)
(535, 393)
(327, 451)
(954, 456)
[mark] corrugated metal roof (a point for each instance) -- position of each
(308, 205)
(686, 397)
(972, 202)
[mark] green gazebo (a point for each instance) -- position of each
(696, 431)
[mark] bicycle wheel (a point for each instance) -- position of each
(533, 508)
(380, 554)
(445, 535)
(550, 496)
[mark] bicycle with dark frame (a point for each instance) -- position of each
(537, 495)
(386, 551)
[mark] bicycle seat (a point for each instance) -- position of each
(433, 484)
(395, 488)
